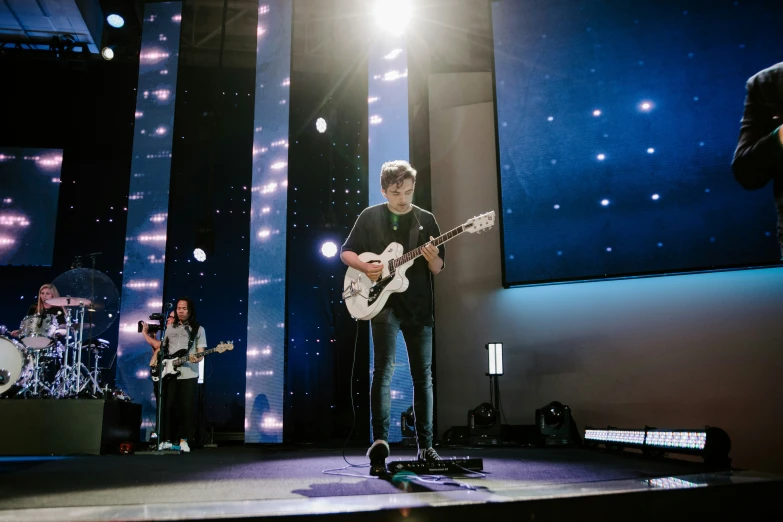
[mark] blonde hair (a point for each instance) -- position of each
(40, 308)
(395, 173)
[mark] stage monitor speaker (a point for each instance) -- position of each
(67, 427)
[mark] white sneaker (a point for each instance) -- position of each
(183, 446)
(165, 445)
(377, 454)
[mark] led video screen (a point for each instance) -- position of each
(29, 191)
(617, 123)
(148, 200)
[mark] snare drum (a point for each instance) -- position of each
(37, 331)
(15, 364)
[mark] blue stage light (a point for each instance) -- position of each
(115, 20)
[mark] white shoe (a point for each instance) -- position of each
(165, 445)
(183, 446)
(377, 454)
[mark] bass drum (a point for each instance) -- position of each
(15, 365)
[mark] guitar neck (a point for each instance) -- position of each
(186, 357)
(416, 252)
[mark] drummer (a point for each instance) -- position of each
(47, 291)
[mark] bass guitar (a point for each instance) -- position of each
(174, 361)
(365, 298)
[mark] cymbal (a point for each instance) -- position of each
(68, 301)
(100, 292)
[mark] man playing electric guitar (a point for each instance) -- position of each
(410, 311)
(179, 394)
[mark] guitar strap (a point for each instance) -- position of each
(191, 336)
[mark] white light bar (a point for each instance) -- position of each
(677, 439)
(690, 440)
(620, 436)
(495, 354)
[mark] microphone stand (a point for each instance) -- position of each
(164, 345)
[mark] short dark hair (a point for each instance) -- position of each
(395, 173)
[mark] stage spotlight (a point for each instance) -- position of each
(554, 425)
(408, 423)
(495, 354)
(483, 415)
(393, 15)
(329, 249)
(107, 53)
(115, 20)
(200, 255)
(320, 125)
(484, 425)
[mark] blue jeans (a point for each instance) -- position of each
(418, 340)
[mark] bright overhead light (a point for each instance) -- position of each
(393, 15)
(329, 249)
(107, 53)
(320, 125)
(115, 20)
(200, 255)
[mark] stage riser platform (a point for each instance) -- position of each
(67, 426)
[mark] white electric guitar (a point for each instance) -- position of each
(365, 299)
(172, 364)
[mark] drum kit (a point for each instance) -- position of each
(49, 358)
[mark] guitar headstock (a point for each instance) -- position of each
(224, 346)
(480, 223)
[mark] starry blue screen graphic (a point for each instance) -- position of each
(29, 193)
(269, 207)
(617, 122)
(148, 200)
(388, 140)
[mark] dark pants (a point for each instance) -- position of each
(179, 401)
(418, 340)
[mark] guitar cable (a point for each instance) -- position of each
(353, 408)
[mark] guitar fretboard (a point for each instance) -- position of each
(416, 252)
(205, 352)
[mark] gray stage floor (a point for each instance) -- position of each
(230, 481)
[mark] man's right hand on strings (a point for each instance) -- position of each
(374, 271)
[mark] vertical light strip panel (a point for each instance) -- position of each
(388, 140)
(269, 205)
(148, 200)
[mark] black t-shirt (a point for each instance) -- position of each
(55, 310)
(375, 228)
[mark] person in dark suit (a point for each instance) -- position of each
(759, 154)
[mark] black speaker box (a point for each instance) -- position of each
(67, 426)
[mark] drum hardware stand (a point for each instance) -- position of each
(71, 376)
(93, 375)
(36, 380)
